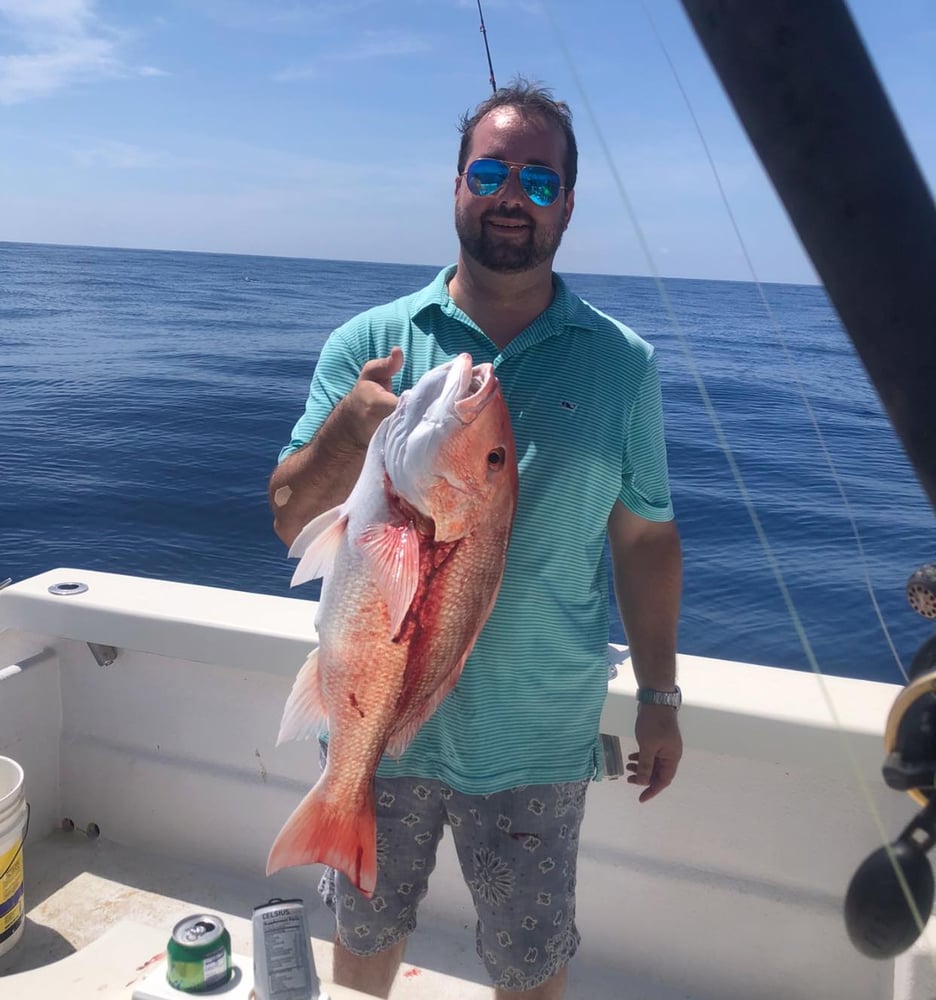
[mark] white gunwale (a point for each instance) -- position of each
(728, 885)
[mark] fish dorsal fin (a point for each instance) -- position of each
(392, 552)
(305, 714)
(317, 544)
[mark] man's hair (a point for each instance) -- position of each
(533, 101)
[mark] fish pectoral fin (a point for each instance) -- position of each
(305, 714)
(317, 545)
(392, 551)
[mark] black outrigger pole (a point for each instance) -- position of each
(487, 49)
(808, 96)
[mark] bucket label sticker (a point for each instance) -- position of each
(9, 924)
(11, 892)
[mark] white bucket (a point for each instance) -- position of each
(14, 819)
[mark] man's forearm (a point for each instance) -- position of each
(648, 583)
(318, 477)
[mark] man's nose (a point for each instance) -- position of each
(512, 191)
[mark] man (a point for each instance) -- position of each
(507, 757)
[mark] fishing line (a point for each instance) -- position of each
(786, 351)
(774, 564)
(865, 789)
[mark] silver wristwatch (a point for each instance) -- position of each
(650, 696)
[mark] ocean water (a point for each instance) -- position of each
(144, 397)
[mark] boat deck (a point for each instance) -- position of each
(99, 915)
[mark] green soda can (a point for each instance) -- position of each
(198, 955)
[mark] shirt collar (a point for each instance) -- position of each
(435, 293)
(565, 310)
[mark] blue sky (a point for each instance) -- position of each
(326, 128)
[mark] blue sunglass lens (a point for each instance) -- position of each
(487, 177)
(541, 184)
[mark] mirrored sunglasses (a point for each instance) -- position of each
(540, 184)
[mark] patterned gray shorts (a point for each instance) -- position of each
(517, 850)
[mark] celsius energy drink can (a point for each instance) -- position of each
(282, 952)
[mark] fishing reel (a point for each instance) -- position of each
(890, 897)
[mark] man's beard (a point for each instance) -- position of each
(506, 254)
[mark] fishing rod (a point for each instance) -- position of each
(487, 49)
(811, 103)
(810, 100)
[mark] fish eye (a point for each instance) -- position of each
(496, 457)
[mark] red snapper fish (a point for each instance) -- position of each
(412, 562)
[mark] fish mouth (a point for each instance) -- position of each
(473, 386)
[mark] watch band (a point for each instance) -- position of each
(650, 696)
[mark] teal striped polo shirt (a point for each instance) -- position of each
(584, 399)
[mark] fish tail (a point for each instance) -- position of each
(340, 834)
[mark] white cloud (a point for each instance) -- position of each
(297, 73)
(32, 75)
(66, 16)
(382, 46)
(374, 45)
(117, 155)
(285, 16)
(61, 43)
